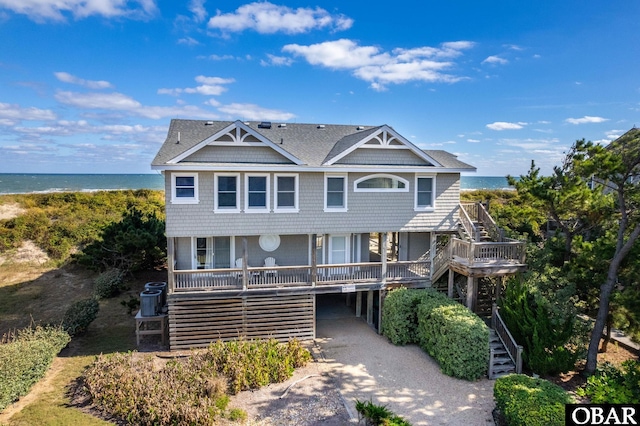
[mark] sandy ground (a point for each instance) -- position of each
(9, 211)
(28, 252)
(366, 366)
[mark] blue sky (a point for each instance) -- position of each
(89, 86)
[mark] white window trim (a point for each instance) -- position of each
(184, 200)
(295, 208)
(432, 207)
(381, 175)
(267, 207)
(215, 193)
(344, 188)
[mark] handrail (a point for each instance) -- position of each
(513, 349)
(495, 232)
(467, 223)
(479, 253)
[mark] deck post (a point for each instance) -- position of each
(383, 259)
(314, 259)
(380, 302)
(170, 260)
(245, 267)
(370, 307)
(358, 304)
(471, 293)
(499, 288)
(433, 247)
(450, 283)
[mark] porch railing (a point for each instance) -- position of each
(513, 349)
(299, 276)
(489, 224)
(469, 213)
(488, 252)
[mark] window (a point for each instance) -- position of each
(286, 190)
(226, 193)
(335, 198)
(256, 193)
(381, 183)
(425, 193)
(184, 188)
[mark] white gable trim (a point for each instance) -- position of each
(234, 130)
(385, 136)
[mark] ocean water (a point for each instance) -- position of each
(15, 183)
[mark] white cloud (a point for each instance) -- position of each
(503, 125)
(380, 68)
(56, 10)
(120, 102)
(189, 41)
(268, 18)
(278, 61)
(255, 112)
(495, 60)
(91, 84)
(473, 140)
(586, 119)
(197, 8)
(11, 114)
(210, 86)
(220, 57)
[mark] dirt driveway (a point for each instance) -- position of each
(366, 366)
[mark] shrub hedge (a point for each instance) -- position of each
(612, 385)
(454, 336)
(108, 283)
(400, 315)
(25, 358)
(526, 401)
(192, 390)
(79, 315)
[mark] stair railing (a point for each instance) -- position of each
(467, 224)
(495, 232)
(441, 261)
(513, 349)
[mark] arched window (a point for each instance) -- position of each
(381, 183)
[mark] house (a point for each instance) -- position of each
(263, 217)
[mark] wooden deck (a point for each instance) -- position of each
(486, 259)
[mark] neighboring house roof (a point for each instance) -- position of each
(305, 145)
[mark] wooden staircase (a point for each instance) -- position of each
(500, 363)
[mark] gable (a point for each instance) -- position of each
(380, 146)
(236, 143)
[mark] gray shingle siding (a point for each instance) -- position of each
(400, 157)
(230, 154)
(367, 211)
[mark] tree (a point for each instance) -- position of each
(616, 168)
(136, 242)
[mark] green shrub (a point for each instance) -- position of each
(192, 390)
(79, 315)
(400, 315)
(611, 385)
(454, 336)
(525, 401)
(108, 284)
(25, 358)
(237, 415)
(375, 415)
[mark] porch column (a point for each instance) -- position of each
(358, 304)
(471, 293)
(450, 283)
(245, 267)
(370, 307)
(433, 246)
(499, 288)
(380, 302)
(314, 259)
(383, 258)
(170, 262)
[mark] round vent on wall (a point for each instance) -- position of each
(269, 242)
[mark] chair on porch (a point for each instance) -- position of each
(270, 262)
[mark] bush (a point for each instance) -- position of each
(525, 401)
(79, 315)
(25, 358)
(108, 284)
(190, 390)
(375, 415)
(544, 334)
(611, 385)
(454, 336)
(400, 315)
